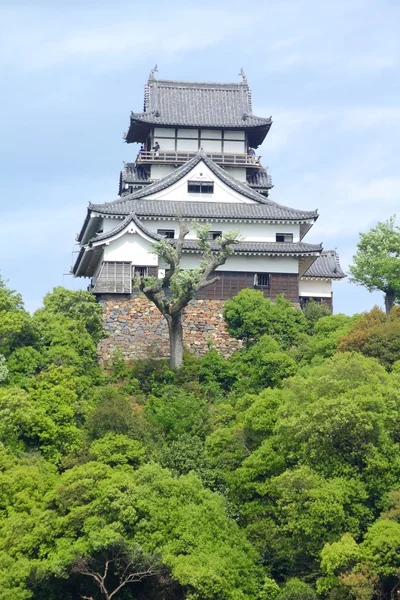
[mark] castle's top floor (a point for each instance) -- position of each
(179, 104)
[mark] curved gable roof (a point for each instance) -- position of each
(127, 203)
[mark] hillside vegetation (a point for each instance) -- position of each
(273, 475)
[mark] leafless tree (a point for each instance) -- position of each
(125, 569)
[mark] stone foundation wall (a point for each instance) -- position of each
(138, 330)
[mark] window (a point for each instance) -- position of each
(140, 271)
(200, 187)
(261, 280)
(284, 237)
(167, 233)
(213, 235)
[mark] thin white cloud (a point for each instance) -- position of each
(42, 44)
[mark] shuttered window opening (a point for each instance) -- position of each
(284, 237)
(167, 233)
(114, 278)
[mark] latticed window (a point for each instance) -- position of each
(200, 187)
(140, 271)
(113, 278)
(261, 280)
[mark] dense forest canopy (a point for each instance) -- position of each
(271, 475)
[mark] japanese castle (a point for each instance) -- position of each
(197, 162)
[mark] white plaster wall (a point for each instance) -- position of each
(166, 144)
(211, 145)
(110, 224)
(188, 133)
(222, 193)
(234, 147)
(262, 264)
(256, 232)
(188, 145)
(160, 171)
(234, 135)
(215, 134)
(316, 287)
(130, 248)
(164, 132)
(238, 173)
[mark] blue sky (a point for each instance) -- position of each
(327, 72)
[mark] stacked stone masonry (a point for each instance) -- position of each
(138, 330)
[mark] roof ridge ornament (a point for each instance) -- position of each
(154, 70)
(243, 74)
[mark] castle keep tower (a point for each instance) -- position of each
(198, 160)
(184, 118)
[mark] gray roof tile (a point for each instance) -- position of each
(132, 175)
(202, 210)
(131, 217)
(299, 248)
(260, 179)
(272, 210)
(326, 266)
(199, 104)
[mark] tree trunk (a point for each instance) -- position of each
(175, 331)
(389, 301)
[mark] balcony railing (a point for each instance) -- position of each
(221, 158)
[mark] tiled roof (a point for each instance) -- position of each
(132, 175)
(299, 248)
(326, 266)
(177, 174)
(128, 203)
(260, 179)
(203, 210)
(131, 217)
(133, 172)
(199, 105)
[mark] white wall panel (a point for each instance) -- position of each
(160, 171)
(168, 144)
(234, 147)
(262, 264)
(215, 134)
(188, 133)
(131, 248)
(211, 145)
(164, 132)
(234, 135)
(188, 145)
(315, 288)
(237, 172)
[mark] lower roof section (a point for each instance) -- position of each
(326, 266)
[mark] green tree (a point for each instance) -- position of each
(375, 334)
(249, 316)
(295, 589)
(376, 264)
(313, 311)
(92, 509)
(174, 291)
(16, 326)
(79, 306)
(262, 365)
(322, 344)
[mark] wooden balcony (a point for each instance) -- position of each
(179, 158)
